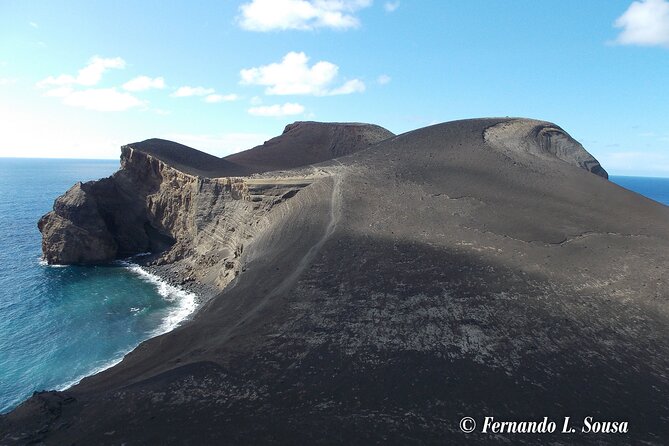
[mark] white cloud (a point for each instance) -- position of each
(294, 76)
(215, 98)
(391, 6)
(92, 73)
(287, 109)
(33, 24)
(88, 76)
(352, 86)
(219, 145)
(7, 81)
(645, 22)
(142, 83)
(59, 92)
(384, 79)
(100, 99)
(183, 92)
(272, 15)
(63, 79)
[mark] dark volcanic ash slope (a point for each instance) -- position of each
(473, 268)
(300, 144)
(188, 160)
(304, 143)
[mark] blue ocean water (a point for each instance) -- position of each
(59, 324)
(654, 188)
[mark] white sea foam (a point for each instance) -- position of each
(43, 262)
(186, 304)
(95, 371)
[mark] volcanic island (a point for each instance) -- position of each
(361, 287)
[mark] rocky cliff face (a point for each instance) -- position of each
(526, 138)
(184, 205)
(200, 224)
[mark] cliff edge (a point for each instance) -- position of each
(473, 268)
(172, 199)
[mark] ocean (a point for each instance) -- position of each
(654, 188)
(60, 324)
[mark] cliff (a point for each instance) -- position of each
(199, 224)
(187, 205)
(473, 268)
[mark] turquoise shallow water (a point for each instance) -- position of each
(59, 324)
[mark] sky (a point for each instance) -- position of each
(78, 79)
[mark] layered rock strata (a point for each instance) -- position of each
(185, 206)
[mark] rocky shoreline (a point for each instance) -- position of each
(468, 269)
(173, 276)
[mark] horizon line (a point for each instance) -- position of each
(53, 158)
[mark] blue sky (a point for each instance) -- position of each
(81, 78)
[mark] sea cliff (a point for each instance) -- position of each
(474, 268)
(184, 207)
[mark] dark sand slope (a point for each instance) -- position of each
(304, 143)
(188, 160)
(473, 268)
(300, 144)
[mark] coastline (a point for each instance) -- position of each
(171, 275)
(387, 304)
(191, 297)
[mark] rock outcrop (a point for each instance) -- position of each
(472, 268)
(540, 139)
(171, 199)
(75, 232)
